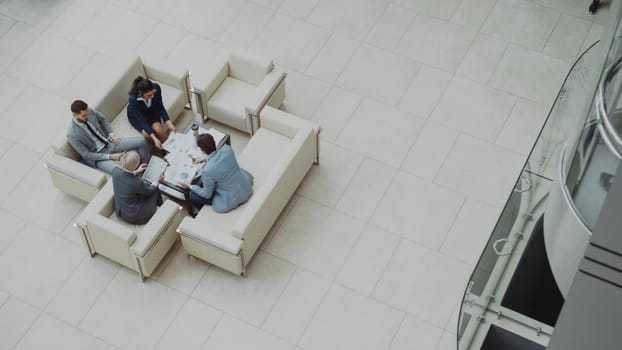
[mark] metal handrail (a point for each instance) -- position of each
(608, 132)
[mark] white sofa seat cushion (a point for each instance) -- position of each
(247, 67)
(134, 228)
(174, 100)
(265, 144)
(121, 125)
(229, 100)
(222, 221)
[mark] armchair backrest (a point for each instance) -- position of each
(108, 237)
(115, 100)
(247, 67)
(63, 148)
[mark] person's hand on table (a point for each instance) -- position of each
(185, 184)
(198, 160)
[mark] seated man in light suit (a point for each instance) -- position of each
(224, 185)
(135, 201)
(92, 137)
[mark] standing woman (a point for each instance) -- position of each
(146, 111)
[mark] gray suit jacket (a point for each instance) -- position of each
(82, 141)
(135, 201)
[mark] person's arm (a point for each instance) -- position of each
(103, 122)
(136, 115)
(143, 188)
(84, 151)
(207, 188)
(159, 103)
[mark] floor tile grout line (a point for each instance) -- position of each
(173, 319)
(397, 330)
(67, 279)
(212, 331)
(506, 120)
(453, 222)
(550, 35)
(277, 299)
(101, 293)
(21, 180)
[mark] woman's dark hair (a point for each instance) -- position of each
(140, 85)
(206, 143)
(78, 106)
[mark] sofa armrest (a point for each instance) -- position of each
(166, 216)
(264, 91)
(101, 203)
(198, 230)
(76, 170)
(285, 123)
(110, 231)
(169, 74)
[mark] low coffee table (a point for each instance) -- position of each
(181, 194)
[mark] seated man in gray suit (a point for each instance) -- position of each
(135, 201)
(92, 137)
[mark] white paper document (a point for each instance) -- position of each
(181, 168)
(182, 144)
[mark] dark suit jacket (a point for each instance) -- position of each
(141, 117)
(135, 201)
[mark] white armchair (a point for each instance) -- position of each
(235, 88)
(138, 247)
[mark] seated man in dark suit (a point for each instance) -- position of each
(92, 137)
(135, 201)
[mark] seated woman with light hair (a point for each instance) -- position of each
(135, 201)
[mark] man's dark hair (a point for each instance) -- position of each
(78, 106)
(206, 143)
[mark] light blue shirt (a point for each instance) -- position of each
(224, 181)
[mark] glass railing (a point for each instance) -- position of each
(491, 298)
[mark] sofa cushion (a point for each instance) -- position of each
(121, 125)
(227, 104)
(134, 228)
(222, 221)
(174, 100)
(62, 147)
(253, 158)
(247, 67)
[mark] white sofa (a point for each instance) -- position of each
(138, 247)
(279, 155)
(235, 88)
(79, 180)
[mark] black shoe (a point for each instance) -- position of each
(594, 6)
(606, 180)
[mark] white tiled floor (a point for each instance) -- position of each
(429, 108)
